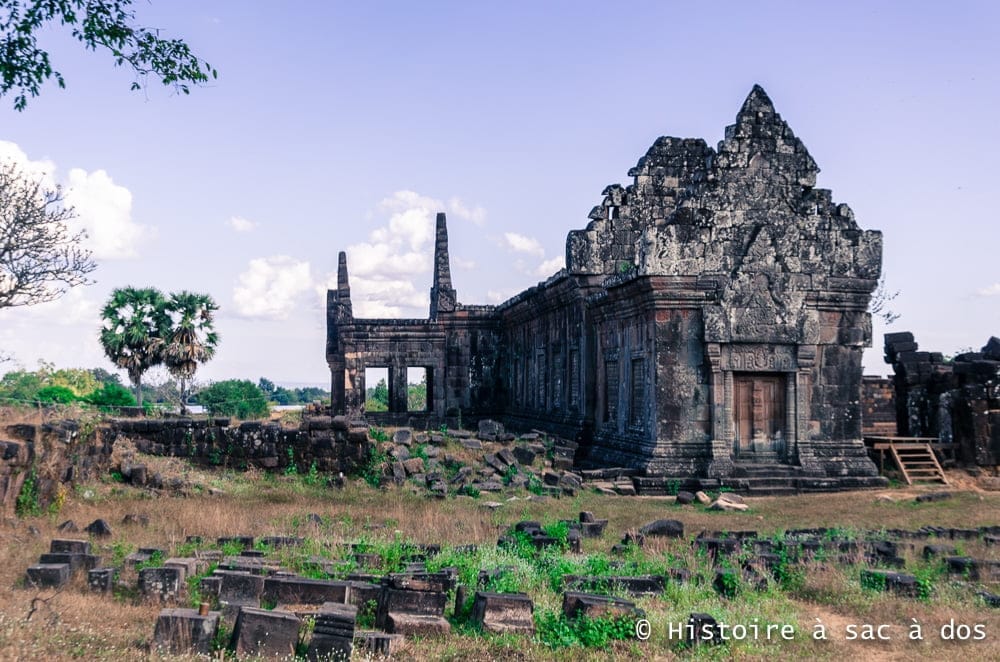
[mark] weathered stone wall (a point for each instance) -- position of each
(957, 401)
(878, 406)
(334, 444)
(53, 454)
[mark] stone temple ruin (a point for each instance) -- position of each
(710, 323)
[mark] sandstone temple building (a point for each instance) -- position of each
(711, 317)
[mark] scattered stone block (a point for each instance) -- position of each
(101, 580)
(239, 589)
(421, 625)
(379, 643)
(402, 437)
(576, 603)
(68, 546)
(75, 561)
(698, 627)
(426, 581)
(893, 582)
(99, 528)
(503, 612)
(182, 631)
(663, 528)
(261, 633)
(431, 603)
(187, 566)
(702, 498)
(684, 498)
(48, 575)
(333, 632)
(729, 506)
(304, 591)
(932, 497)
(161, 583)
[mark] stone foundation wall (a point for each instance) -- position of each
(334, 444)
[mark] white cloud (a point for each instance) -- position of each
(241, 224)
(475, 214)
(461, 263)
(519, 243)
(270, 286)
(991, 291)
(549, 267)
(103, 208)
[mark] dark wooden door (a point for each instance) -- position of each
(760, 412)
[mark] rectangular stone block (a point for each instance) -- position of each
(161, 583)
(421, 625)
(431, 603)
(75, 561)
(300, 590)
(596, 606)
(68, 546)
(187, 566)
(182, 631)
(503, 612)
(266, 634)
(241, 589)
(101, 580)
(48, 575)
(424, 581)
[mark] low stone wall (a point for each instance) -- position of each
(334, 444)
(51, 455)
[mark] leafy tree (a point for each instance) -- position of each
(39, 258)
(265, 385)
(191, 338)
(234, 397)
(80, 382)
(377, 397)
(105, 24)
(19, 386)
(135, 324)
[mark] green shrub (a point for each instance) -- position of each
(55, 395)
(111, 395)
(234, 397)
(29, 503)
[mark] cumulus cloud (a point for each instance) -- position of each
(241, 224)
(269, 287)
(549, 267)
(476, 215)
(103, 208)
(518, 243)
(991, 291)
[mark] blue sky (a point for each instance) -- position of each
(347, 126)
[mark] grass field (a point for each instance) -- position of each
(75, 624)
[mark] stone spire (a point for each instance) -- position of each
(343, 295)
(443, 297)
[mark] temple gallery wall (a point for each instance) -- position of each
(710, 319)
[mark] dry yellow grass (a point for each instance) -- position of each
(75, 624)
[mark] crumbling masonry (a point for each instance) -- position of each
(710, 320)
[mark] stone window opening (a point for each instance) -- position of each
(418, 388)
(378, 386)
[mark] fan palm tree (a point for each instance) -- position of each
(134, 325)
(191, 338)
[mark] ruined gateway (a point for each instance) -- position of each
(709, 322)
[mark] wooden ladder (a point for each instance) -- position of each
(918, 463)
